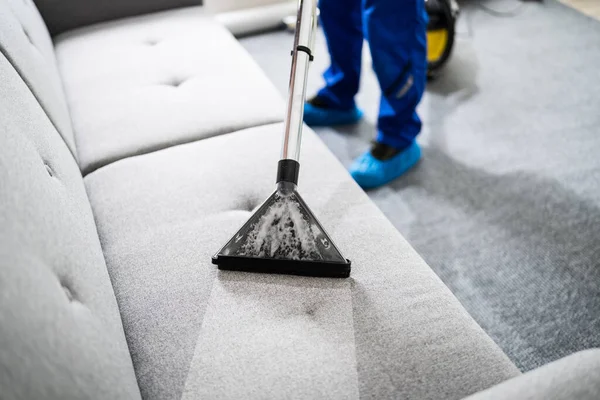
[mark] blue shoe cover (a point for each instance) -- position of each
(370, 172)
(317, 116)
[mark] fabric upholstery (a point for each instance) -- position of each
(61, 335)
(392, 330)
(576, 377)
(25, 42)
(62, 15)
(146, 83)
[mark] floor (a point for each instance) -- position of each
(505, 206)
(589, 7)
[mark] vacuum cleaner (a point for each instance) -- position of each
(440, 33)
(283, 236)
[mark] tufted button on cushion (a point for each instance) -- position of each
(176, 82)
(28, 37)
(49, 170)
(119, 76)
(68, 292)
(247, 203)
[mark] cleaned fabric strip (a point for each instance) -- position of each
(271, 336)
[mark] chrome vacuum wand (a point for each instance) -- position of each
(304, 39)
(301, 56)
(283, 236)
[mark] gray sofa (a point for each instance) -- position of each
(129, 151)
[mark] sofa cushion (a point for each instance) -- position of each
(146, 83)
(393, 330)
(25, 42)
(61, 335)
(576, 377)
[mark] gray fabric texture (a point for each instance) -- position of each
(303, 325)
(25, 42)
(505, 205)
(576, 377)
(63, 15)
(191, 331)
(61, 335)
(146, 83)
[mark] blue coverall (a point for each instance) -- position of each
(396, 33)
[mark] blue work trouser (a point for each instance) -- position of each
(396, 33)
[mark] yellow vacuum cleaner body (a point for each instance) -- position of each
(440, 32)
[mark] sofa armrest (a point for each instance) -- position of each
(576, 377)
(63, 15)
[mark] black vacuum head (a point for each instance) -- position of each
(283, 237)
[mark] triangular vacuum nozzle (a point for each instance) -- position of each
(284, 237)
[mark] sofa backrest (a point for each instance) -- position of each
(63, 15)
(61, 335)
(25, 42)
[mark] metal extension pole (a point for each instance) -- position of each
(301, 56)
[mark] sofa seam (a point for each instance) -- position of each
(94, 167)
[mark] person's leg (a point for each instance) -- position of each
(396, 32)
(342, 25)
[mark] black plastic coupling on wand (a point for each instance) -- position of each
(287, 171)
